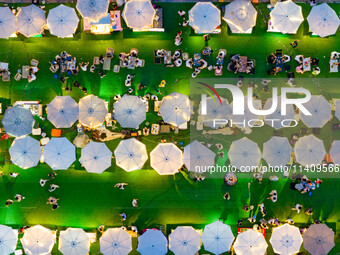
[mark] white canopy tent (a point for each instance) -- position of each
(286, 17)
(8, 240)
(115, 241)
(320, 109)
(240, 16)
(62, 21)
(184, 241)
(217, 237)
(277, 116)
(318, 239)
(335, 152)
(153, 242)
(63, 111)
(277, 151)
(93, 10)
(31, 20)
(7, 22)
(286, 239)
(309, 150)
(204, 17)
(198, 155)
(250, 242)
(96, 157)
(130, 111)
(131, 154)
(166, 158)
(138, 14)
(92, 111)
(175, 109)
(37, 240)
(74, 241)
(323, 20)
(59, 153)
(244, 153)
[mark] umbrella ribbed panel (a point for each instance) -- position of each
(204, 17)
(37, 240)
(277, 114)
(62, 111)
(184, 241)
(96, 157)
(152, 242)
(320, 110)
(318, 239)
(277, 151)
(309, 150)
(166, 158)
(7, 22)
(138, 14)
(93, 10)
(18, 121)
(8, 240)
(115, 241)
(92, 111)
(198, 155)
(31, 20)
(130, 111)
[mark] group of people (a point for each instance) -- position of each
(235, 65)
(51, 200)
(303, 184)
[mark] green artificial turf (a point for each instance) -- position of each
(89, 200)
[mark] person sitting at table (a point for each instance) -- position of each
(178, 62)
(207, 51)
(125, 62)
(75, 71)
(218, 70)
(271, 59)
(133, 53)
(335, 55)
(33, 69)
(194, 75)
(92, 68)
(189, 63)
(181, 13)
(249, 69)
(299, 58)
(122, 56)
(299, 69)
(58, 58)
(316, 71)
(101, 74)
(285, 58)
(272, 71)
(177, 54)
(83, 66)
(314, 61)
(178, 40)
(203, 64)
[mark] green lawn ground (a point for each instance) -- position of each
(89, 200)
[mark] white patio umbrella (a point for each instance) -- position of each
(166, 158)
(184, 241)
(276, 117)
(130, 111)
(277, 151)
(286, 239)
(18, 121)
(59, 153)
(8, 240)
(215, 110)
(37, 240)
(318, 239)
(25, 152)
(74, 241)
(250, 242)
(152, 242)
(247, 117)
(335, 151)
(93, 10)
(198, 155)
(96, 157)
(309, 150)
(131, 154)
(138, 13)
(31, 20)
(217, 237)
(337, 109)
(115, 241)
(244, 153)
(240, 15)
(286, 17)
(320, 109)
(62, 21)
(7, 22)
(92, 111)
(323, 20)
(176, 109)
(63, 111)
(204, 17)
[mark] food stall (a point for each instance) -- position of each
(111, 22)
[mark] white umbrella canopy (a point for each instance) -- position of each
(152, 242)
(8, 240)
(240, 15)
(318, 239)
(215, 110)
(138, 13)
(286, 239)
(59, 153)
(63, 111)
(25, 152)
(337, 109)
(37, 240)
(93, 10)
(115, 241)
(31, 20)
(184, 241)
(217, 237)
(239, 120)
(130, 111)
(244, 153)
(309, 150)
(286, 17)
(320, 109)
(166, 158)
(95, 157)
(7, 22)
(277, 114)
(204, 17)
(277, 151)
(62, 21)
(323, 20)
(198, 155)
(250, 242)
(131, 154)
(335, 152)
(176, 109)
(92, 111)
(74, 241)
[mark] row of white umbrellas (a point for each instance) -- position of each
(217, 238)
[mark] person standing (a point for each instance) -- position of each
(53, 187)
(9, 202)
(14, 175)
(18, 198)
